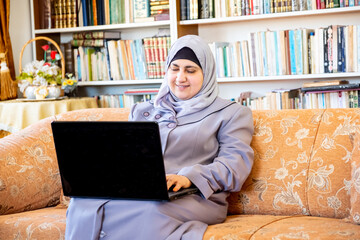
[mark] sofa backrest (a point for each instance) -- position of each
(29, 175)
(302, 164)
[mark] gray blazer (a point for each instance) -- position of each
(210, 147)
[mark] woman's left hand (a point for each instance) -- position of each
(178, 181)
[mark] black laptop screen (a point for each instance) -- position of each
(110, 159)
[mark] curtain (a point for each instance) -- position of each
(5, 43)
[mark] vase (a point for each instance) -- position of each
(53, 91)
(29, 92)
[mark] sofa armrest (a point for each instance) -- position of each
(29, 176)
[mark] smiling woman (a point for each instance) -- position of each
(205, 142)
(185, 78)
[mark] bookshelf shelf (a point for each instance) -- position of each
(105, 27)
(121, 82)
(272, 16)
(290, 77)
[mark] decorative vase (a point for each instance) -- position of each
(32, 92)
(29, 92)
(54, 91)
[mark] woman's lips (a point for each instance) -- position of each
(182, 86)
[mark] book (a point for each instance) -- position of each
(97, 35)
(66, 48)
(331, 87)
(88, 42)
(324, 83)
(45, 14)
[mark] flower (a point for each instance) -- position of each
(69, 83)
(40, 73)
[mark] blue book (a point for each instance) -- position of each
(78, 66)
(292, 52)
(121, 100)
(134, 60)
(264, 54)
(343, 52)
(140, 52)
(299, 52)
(339, 47)
(85, 14)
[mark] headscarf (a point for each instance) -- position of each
(168, 102)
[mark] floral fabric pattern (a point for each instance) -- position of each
(354, 184)
(305, 182)
(306, 169)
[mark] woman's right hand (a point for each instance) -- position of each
(178, 181)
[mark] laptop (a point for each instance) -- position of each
(112, 160)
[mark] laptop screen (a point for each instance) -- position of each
(110, 159)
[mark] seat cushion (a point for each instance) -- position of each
(42, 224)
(354, 183)
(241, 227)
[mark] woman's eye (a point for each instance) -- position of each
(174, 69)
(191, 71)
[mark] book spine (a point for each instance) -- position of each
(326, 51)
(299, 52)
(264, 52)
(204, 9)
(183, 10)
(292, 52)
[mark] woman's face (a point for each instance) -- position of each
(185, 78)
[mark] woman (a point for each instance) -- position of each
(205, 142)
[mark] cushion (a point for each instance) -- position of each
(330, 166)
(29, 176)
(282, 144)
(43, 224)
(243, 227)
(354, 183)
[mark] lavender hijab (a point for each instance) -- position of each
(168, 102)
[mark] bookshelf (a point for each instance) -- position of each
(227, 29)
(133, 30)
(231, 29)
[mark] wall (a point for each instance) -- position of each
(20, 31)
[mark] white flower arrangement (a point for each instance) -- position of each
(39, 73)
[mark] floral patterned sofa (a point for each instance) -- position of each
(305, 183)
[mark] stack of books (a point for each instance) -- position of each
(201, 9)
(330, 49)
(80, 13)
(128, 98)
(314, 95)
(99, 59)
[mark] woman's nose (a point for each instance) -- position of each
(181, 76)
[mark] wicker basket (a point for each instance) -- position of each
(58, 49)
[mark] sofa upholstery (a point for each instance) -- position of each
(305, 183)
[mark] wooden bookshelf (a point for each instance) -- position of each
(217, 29)
(271, 16)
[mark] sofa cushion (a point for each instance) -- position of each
(29, 176)
(243, 227)
(354, 183)
(328, 195)
(282, 143)
(43, 224)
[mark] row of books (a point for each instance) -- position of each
(127, 99)
(79, 13)
(122, 59)
(340, 96)
(290, 52)
(202, 9)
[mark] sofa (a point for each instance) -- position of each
(305, 182)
